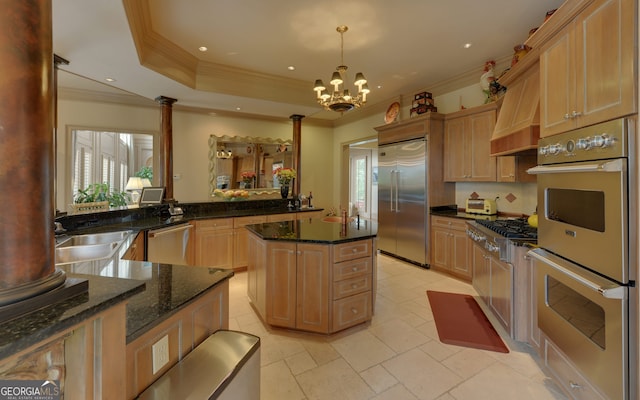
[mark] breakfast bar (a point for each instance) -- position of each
(313, 275)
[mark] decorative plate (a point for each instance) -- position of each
(392, 113)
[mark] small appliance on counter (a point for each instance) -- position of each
(481, 206)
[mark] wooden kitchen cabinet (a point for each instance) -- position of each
(587, 68)
(467, 145)
(135, 252)
(319, 288)
(451, 246)
(214, 242)
(493, 280)
(514, 169)
(240, 238)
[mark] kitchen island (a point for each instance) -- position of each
(314, 275)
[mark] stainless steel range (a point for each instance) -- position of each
(502, 236)
(500, 273)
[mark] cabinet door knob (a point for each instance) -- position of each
(354, 250)
(354, 269)
(353, 310)
(353, 286)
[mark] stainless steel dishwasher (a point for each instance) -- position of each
(169, 245)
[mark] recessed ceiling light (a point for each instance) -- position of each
(237, 108)
(466, 45)
(109, 79)
(203, 48)
(291, 68)
(379, 86)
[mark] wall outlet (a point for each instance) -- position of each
(160, 353)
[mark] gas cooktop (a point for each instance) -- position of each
(511, 228)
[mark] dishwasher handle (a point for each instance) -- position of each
(166, 231)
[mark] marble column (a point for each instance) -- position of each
(297, 144)
(166, 145)
(27, 262)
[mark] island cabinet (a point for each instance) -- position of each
(135, 252)
(587, 69)
(451, 246)
(240, 238)
(321, 288)
(214, 240)
(467, 145)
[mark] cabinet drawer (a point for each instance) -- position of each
(215, 223)
(351, 250)
(239, 222)
(567, 376)
(352, 269)
(281, 217)
(351, 311)
(451, 223)
(349, 287)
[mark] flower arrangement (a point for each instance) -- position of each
(285, 175)
(247, 176)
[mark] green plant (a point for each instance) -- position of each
(100, 192)
(145, 172)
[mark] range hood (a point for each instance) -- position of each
(517, 129)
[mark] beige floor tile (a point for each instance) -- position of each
(333, 381)
(469, 362)
(301, 362)
(321, 352)
(398, 392)
(277, 383)
(378, 378)
(422, 375)
(501, 382)
(399, 335)
(363, 350)
(440, 351)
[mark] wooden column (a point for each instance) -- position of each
(57, 60)
(297, 143)
(166, 145)
(26, 150)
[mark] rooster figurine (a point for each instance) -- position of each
(491, 88)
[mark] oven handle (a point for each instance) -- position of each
(607, 166)
(607, 290)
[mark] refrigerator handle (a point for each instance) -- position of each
(391, 189)
(397, 190)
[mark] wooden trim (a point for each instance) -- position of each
(520, 141)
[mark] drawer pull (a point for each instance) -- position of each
(353, 310)
(354, 250)
(353, 286)
(354, 269)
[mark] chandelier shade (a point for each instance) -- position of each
(340, 99)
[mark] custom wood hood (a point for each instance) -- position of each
(518, 126)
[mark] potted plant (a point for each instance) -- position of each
(98, 197)
(247, 178)
(285, 176)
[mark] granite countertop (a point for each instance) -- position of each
(168, 286)
(315, 231)
(20, 333)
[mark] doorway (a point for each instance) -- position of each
(363, 189)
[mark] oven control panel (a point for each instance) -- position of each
(606, 140)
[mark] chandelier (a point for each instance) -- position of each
(341, 100)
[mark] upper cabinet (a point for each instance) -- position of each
(587, 68)
(467, 145)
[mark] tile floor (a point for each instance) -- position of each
(397, 356)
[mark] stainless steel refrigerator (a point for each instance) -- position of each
(402, 201)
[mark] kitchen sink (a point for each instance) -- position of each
(88, 252)
(95, 238)
(95, 246)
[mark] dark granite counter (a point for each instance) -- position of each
(316, 231)
(154, 217)
(20, 333)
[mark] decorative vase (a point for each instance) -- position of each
(284, 190)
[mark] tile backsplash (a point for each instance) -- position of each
(516, 198)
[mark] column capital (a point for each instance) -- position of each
(163, 100)
(296, 117)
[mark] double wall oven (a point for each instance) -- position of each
(585, 276)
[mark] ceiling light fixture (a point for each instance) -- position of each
(341, 100)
